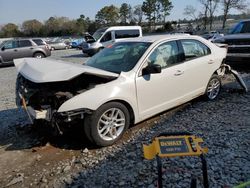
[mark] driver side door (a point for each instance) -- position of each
(161, 91)
(107, 39)
(9, 51)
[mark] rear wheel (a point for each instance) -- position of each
(107, 124)
(39, 55)
(213, 87)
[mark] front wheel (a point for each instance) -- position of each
(107, 124)
(213, 87)
(39, 55)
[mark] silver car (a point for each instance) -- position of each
(20, 48)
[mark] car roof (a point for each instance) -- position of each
(158, 38)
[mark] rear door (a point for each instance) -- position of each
(199, 66)
(25, 49)
(107, 39)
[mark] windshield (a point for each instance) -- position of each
(121, 57)
(99, 33)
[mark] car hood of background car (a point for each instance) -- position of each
(48, 70)
(237, 36)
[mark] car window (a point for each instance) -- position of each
(99, 33)
(246, 27)
(194, 49)
(10, 44)
(120, 57)
(242, 27)
(165, 55)
(106, 37)
(127, 33)
(39, 42)
(24, 43)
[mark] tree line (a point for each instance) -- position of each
(206, 15)
(154, 10)
(149, 14)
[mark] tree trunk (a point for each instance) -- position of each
(225, 15)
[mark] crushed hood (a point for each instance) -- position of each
(48, 70)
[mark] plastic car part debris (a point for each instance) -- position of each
(226, 69)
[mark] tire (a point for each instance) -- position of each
(39, 55)
(102, 128)
(213, 87)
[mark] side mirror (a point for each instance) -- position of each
(3, 48)
(151, 69)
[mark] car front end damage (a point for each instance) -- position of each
(41, 101)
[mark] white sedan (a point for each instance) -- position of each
(121, 85)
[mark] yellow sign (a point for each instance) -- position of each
(173, 146)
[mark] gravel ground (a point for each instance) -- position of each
(27, 161)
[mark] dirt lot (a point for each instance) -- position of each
(29, 158)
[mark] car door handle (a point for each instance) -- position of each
(210, 61)
(31, 48)
(178, 73)
(15, 50)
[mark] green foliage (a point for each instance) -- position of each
(168, 26)
(10, 30)
(125, 13)
(156, 11)
(138, 14)
(32, 28)
(108, 15)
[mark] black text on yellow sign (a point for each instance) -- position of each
(173, 146)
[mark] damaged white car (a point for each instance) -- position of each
(123, 84)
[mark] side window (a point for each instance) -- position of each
(194, 49)
(39, 42)
(165, 55)
(237, 28)
(24, 43)
(10, 44)
(106, 37)
(127, 33)
(246, 27)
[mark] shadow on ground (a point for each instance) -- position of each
(17, 133)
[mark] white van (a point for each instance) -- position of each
(106, 36)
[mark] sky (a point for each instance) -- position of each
(17, 11)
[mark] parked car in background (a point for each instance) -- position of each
(76, 42)
(58, 45)
(106, 36)
(41, 42)
(19, 48)
(212, 35)
(238, 41)
(124, 84)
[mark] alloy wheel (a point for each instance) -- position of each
(111, 124)
(213, 88)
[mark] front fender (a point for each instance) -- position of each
(94, 98)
